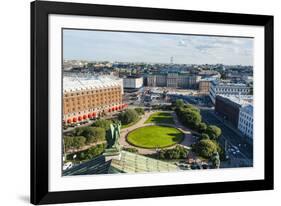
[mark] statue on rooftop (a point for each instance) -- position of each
(112, 137)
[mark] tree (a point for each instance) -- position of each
(94, 134)
(191, 107)
(178, 152)
(103, 123)
(95, 151)
(140, 111)
(213, 131)
(78, 142)
(205, 148)
(216, 160)
(205, 136)
(78, 131)
(202, 126)
(99, 133)
(191, 118)
(68, 142)
(179, 103)
(128, 116)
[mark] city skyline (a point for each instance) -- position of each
(94, 45)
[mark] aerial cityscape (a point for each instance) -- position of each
(138, 102)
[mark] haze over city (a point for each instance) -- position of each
(156, 48)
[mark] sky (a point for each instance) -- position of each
(156, 48)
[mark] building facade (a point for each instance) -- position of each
(222, 88)
(173, 80)
(229, 107)
(87, 98)
(132, 82)
(204, 86)
(246, 120)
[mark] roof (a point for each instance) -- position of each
(134, 163)
(241, 100)
(128, 163)
(132, 77)
(97, 165)
(75, 83)
(229, 84)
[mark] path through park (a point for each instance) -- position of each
(187, 141)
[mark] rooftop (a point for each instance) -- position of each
(224, 83)
(75, 83)
(133, 163)
(128, 163)
(242, 100)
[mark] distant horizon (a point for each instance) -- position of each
(88, 60)
(156, 48)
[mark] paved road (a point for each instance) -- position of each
(231, 137)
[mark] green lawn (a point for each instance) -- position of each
(160, 117)
(155, 137)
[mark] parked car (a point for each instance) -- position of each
(67, 165)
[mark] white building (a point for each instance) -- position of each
(132, 82)
(245, 123)
(223, 88)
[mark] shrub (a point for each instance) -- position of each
(130, 149)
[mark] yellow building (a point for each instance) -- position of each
(90, 97)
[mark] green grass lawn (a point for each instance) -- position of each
(155, 137)
(160, 117)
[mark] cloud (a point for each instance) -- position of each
(152, 47)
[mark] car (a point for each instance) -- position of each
(193, 167)
(205, 166)
(67, 165)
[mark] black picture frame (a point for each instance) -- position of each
(39, 102)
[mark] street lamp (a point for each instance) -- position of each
(74, 157)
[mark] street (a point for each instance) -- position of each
(230, 139)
